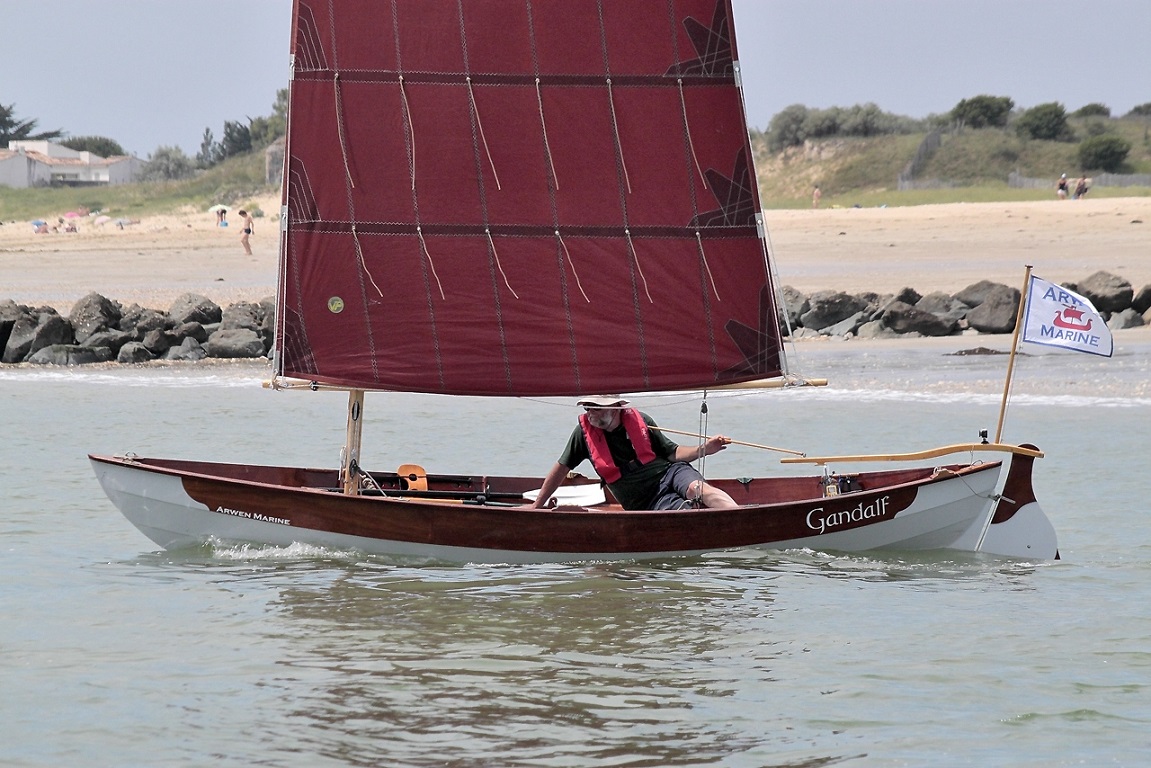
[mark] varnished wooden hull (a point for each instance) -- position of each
(478, 519)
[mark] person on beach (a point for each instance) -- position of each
(815, 196)
(1061, 187)
(247, 219)
(641, 466)
(1081, 188)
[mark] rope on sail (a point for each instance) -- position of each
(411, 133)
(571, 263)
(638, 266)
(690, 143)
(484, 139)
(618, 140)
(338, 90)
(706, 266)
(432, 264)
(499, 266)
(547, 144)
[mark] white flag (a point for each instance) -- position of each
(1058, 317)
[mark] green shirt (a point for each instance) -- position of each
(637, 486)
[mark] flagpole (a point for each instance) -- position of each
(1014, 349)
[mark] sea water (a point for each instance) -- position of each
(115, 654)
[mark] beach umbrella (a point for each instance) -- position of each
(102, 219)
(218, 207)
(39, 223)
(71, 215)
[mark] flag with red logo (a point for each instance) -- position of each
(1058, 317)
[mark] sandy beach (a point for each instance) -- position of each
(929, 248)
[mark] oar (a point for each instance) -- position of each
(733, 442)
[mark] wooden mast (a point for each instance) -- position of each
(1014, 348)
(350, 456)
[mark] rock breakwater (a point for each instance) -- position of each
(99, 329)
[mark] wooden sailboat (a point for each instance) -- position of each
(517, 199)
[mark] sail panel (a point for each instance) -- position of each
(510, 198)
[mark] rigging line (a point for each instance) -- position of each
(618, 140)
(338, 90)
(499, 266)
(703, 413)
(483, 138)
(571, 263)
(363, 262)
(411, 132)
(432, 264)
(547, 143)
(687, 132)
(706, 266)
(639, 266)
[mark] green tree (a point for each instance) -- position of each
(97, 145)
(1045, 122)
(210, 151)
(265, 130)
(787, 128)
(983, 111)
(237, 139)
(1094, 109)
(12, 129)
(1103, 153)
(1143, 110)
(167, 164)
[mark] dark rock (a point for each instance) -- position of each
(996, 312)
(875, 330)
(238, 342)
(94, 313)
(943, 306)
(904, 318)
(157, 342)
(193, 307)
(190, 330)
(845, 327)
(794, 305)
(1140, 303)
(70, 354)
(134, 352)
(10, 312)
(268, 323)
(242, 314)
(1108, 292)
(978, 351)
(908, 296)
(114, 340)
(1128, 318)
(139, 322)
(34, 331)
(976, 293)
(189, 349)
(830, 307)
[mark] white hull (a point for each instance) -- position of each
(952, 513)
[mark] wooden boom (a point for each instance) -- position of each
(930, 453)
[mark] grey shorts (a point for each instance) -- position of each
(672, 492)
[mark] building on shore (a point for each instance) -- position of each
(41, 163)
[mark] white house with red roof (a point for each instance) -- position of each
(42, 163)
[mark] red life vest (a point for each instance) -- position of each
(597, 446)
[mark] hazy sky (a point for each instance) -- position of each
(158, 72)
